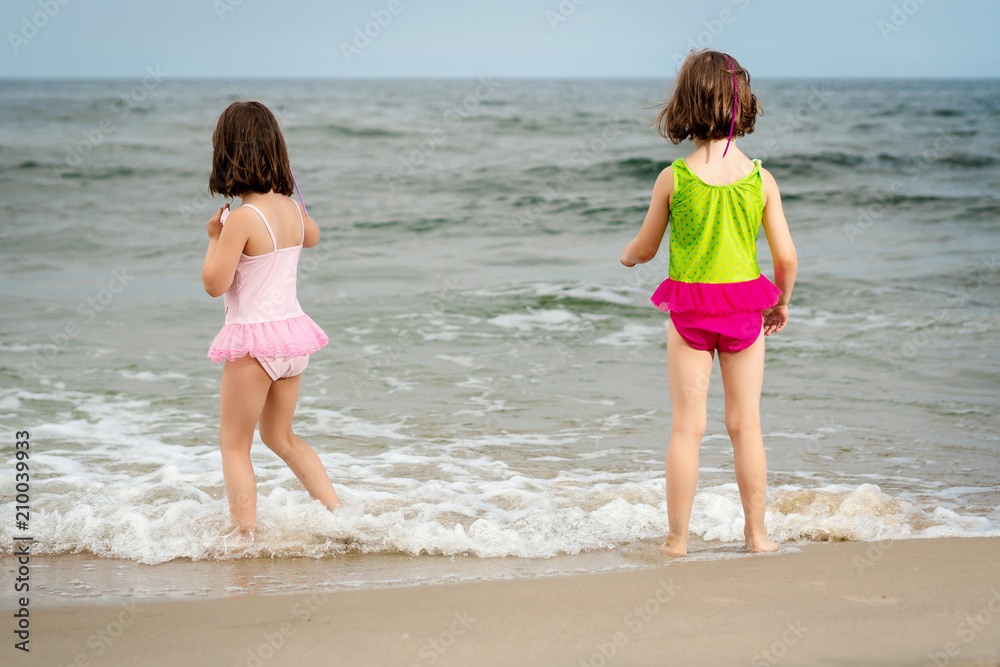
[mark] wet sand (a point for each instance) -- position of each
(914, 602)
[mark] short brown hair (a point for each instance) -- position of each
(701, 105)
(249, 153)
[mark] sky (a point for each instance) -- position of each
(508, 38)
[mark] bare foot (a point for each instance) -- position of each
(761, 545)
(333, 503)
(239, 539)
(675, 546)
(241, 532)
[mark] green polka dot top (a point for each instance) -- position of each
(713, 228)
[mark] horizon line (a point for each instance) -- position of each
(466, 77)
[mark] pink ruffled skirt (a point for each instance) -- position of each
(716, 299)
(293, 337)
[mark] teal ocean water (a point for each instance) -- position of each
(495, 385)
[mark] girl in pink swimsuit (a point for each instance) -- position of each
(716, 201)
(252, 261)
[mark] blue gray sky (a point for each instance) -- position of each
(509, 38)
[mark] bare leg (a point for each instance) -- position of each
(743, 377)
(689, 371)
(276, 432)
(244, 387)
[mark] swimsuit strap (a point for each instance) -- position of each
(274, 241)
(303, 221)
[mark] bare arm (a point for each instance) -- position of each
(311, 236)
(225, 245)
(779, 240)
(644, 246)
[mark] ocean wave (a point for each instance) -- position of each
(547, 320)
(968, 160)
(800, 164)
(580, 299)
(634, 335)
(416, 225)
(987, 210)
(99, 173)
(954, 207)
(339, 130)
(639, 167)
(506, 514)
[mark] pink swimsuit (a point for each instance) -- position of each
(263, 315)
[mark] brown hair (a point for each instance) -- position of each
(701, 106)
(249, 153)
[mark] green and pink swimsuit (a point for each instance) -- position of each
(715, 292)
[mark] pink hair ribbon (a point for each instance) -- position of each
(736, 103)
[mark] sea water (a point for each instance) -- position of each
(495, 386)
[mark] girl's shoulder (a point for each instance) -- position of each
(768, 185)
(766, 178)
(240, 218)
(665, 181)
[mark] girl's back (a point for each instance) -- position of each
(722, 172)
(282, 214)
(714, 223)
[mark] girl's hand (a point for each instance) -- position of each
(626, 258)
(775, 319)
(214, 225)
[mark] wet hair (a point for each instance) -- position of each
(249, 153)
(701, 105)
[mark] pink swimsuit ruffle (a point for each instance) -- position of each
(281, 338)
(716, 298)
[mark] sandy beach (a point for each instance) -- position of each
(914, 602)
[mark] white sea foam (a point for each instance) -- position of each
(395, 384)
(418, 499)
(149, 376)
(343, 423)
(128, 478)
(547, 320)
(635, 335)
(589, 292)
(468, 362)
